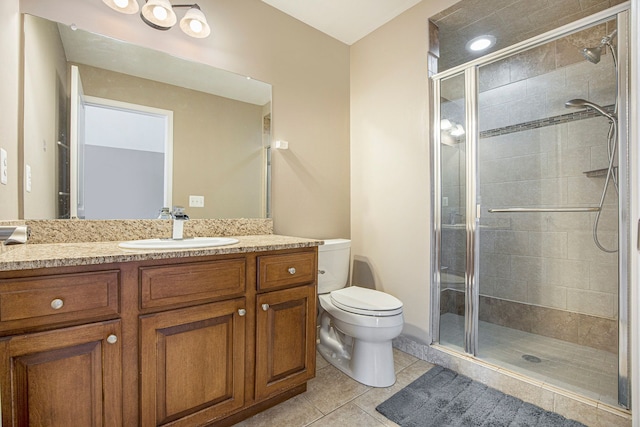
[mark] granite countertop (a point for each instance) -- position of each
(31, 256)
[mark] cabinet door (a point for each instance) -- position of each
(66, 377)
(192, 363)
(285, 339)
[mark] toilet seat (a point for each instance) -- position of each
(368, 302)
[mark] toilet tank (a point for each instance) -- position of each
(333, 265)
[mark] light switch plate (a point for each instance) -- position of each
(196, 201)
(4, 165)
(27, 173)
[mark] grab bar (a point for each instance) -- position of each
(551, 209)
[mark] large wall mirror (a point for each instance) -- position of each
(117, 131)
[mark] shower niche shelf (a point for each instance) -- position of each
(599, 173)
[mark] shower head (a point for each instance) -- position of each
(592, 54)
(579, 103)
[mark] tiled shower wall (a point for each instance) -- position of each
(542, 259)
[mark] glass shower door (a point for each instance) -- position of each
(531, 209)
(452, 211)
(548, 288)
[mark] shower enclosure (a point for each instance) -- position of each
(530, 268)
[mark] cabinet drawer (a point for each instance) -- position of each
(49, 299)
(277, 271)
(177, 284)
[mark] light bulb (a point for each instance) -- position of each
(160, 13)
(481, 43)
(123, 6)
(195, 25)
(457, 131)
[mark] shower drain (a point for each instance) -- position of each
(531, 358)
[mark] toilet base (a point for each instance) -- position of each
(366, 362)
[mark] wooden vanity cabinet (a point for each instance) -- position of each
(66, 377)
(217, 363)
(285, 321)
(193, 363)
(60, 360)
(285, 339)
(175, 342)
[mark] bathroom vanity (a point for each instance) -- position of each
(91, 334)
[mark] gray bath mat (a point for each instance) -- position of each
(441, 398)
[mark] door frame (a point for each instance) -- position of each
(77, 136)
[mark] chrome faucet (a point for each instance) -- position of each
(165, 213)
(179, 217)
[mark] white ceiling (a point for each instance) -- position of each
(345, 20)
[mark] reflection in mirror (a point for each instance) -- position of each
(219, 126)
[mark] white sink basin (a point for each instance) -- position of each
(189, 243)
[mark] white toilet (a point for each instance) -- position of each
(356, 324)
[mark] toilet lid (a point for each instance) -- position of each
(365, 301)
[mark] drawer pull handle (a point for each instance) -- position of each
(265, 307)
(112, 339)
(242, 312)
(291, 270)
(57, 304)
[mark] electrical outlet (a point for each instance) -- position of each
(4, 165)
(445, 201)
(196, 201)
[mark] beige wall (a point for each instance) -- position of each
(9, 83)
(43, 85)
(309, 72)
(390, 173)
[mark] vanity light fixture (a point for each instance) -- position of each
(480, 43)
(123, 6)
(159, 14)
(445, 124)
(451, 133)
(457, 131)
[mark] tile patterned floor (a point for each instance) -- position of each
(584, 370)
(333, 399)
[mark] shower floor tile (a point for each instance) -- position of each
(590, 372)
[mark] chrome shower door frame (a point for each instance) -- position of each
(472, 197)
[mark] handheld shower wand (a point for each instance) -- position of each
(612, 146)
(578, 103)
